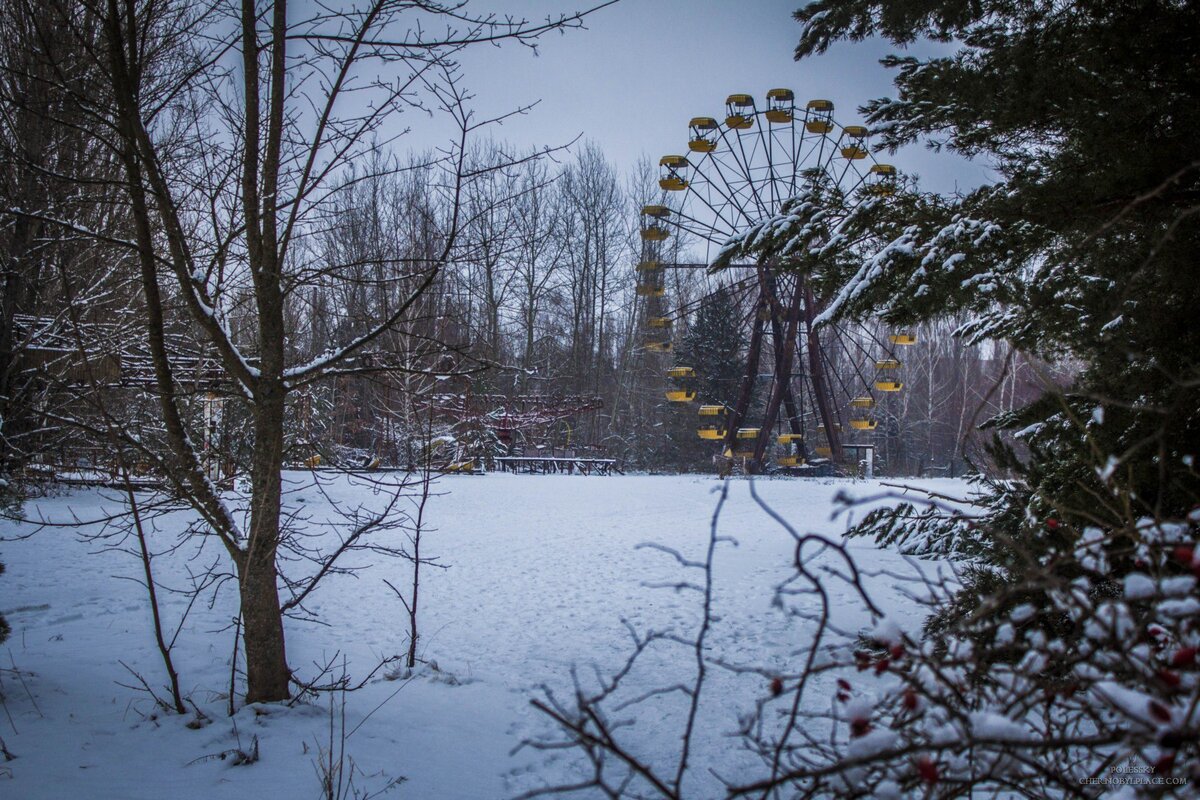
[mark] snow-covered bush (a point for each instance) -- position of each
(1080, 677)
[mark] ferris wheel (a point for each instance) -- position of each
(768, 206)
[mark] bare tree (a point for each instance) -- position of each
(489, 240)
(43, 143)
(594, 227)
(539, 253)
(235, 124)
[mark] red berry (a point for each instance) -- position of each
(1160, 712)
(859, 727)
(1169, 678)
(927, 769)
(1184, 555)
(910, 700)
(882, 665)
(843, 684)
(776, 686)
(1183, 657)
(897, 650)
(1052, 523)
(842, 697)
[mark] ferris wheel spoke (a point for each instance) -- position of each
(844, 340)
(764, 137)
(725, 188)
(780, 173)
(752, 184)
(707, 230)
(795, 150)
(783, 162)
(742, 167)
(860, 180)
(741, 288)
(725, 208)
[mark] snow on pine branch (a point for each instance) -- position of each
(826, 233)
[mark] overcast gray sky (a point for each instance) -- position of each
(643, 68)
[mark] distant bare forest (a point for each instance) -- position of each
(535, 300)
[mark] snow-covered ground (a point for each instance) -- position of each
(542, 571)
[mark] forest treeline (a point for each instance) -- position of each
(535, 297)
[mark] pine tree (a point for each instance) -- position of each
(1084, 249)
(712, 345)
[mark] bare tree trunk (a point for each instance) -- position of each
(266, 659)
(267, 673)
(418, 529)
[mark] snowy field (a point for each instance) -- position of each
(542, 571)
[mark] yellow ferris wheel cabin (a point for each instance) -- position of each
(780, 106)
(704, 133)
(739, 112)
(818, 116)
(671, 173)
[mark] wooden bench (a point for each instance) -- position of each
(548, 465)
